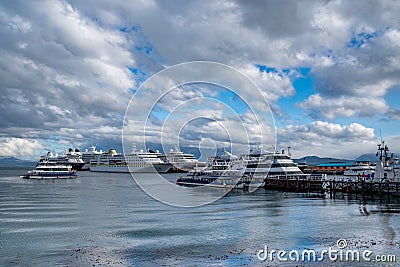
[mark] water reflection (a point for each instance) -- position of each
(106, 219)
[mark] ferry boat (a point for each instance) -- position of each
(225, 171)
(136, 161)
(89, 155)
(51, 170)
(70, 157)
(182, 162)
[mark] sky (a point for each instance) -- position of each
(328, 70)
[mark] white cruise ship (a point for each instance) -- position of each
(89, 155)
(283, 165)
(136, 161)
(182, 161)
(276, 164)
(254, 168)
(73, 158)
(258, 165)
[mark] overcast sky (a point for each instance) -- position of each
(330, 70)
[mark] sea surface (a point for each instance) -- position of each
(103, 219)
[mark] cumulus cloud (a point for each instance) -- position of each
(328, 139)
(343, 106)
(20, 147)
(67, 69)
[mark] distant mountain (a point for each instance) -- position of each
(12, 161)
(314, 160)
(372, 157)
(368, 157)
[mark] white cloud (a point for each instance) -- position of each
(272, 84)
(349, 106)
(15, 23)
(19, 147)
(327, 139)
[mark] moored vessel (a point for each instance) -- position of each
(388, 167)
(136, 161)
(70, 157)
(182, 162)
(89, 155)
(225, 171)
(360, 169)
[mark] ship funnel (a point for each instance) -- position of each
(112, 151)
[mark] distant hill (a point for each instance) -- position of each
(314, 160)
(371, 157)
(368, 157)
(12, 161)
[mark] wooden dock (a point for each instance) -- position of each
(333, 187)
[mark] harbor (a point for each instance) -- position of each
(334, 188)
(200, 133)
(105, 219)
(257, 169)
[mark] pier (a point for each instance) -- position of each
(333, 188)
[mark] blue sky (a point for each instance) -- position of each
(330, 75)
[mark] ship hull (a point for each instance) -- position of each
(216, 185)
(75, 165)
(43, 177)
(161, 168)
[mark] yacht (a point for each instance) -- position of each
(359, 169)
(89, 155)
(70, 157)
(225, 171)
(51, 170)
(136, 161)
(182, 162)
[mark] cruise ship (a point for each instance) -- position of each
(257, 167)
(251, 168)
(89, 155)
(275, 164)
(283, 165)
(136, 161)
(182, 162)
(70, 157)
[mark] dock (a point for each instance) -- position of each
(333, 188)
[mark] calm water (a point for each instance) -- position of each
(106, 219)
